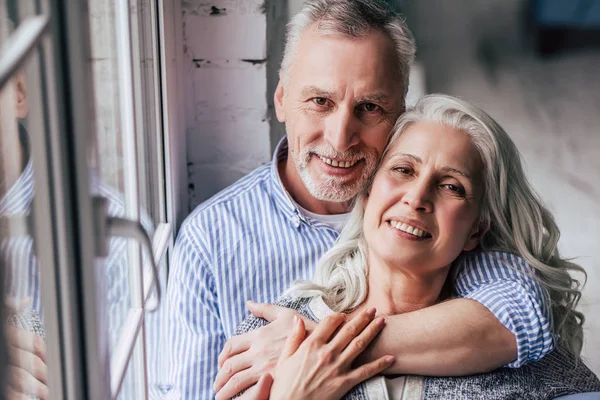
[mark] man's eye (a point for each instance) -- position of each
(320, 101)
(370, 107)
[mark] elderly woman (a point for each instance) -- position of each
(450, 181)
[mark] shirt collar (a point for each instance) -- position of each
(281, 196)
(18, 198)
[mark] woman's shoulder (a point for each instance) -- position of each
(557, 374)
(298, 304)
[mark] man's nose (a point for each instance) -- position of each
(342, 129)
(418, 195)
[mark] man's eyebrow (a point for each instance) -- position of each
(375, 98)
(314, 91)
(444, 169)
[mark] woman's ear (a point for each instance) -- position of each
(279, 98)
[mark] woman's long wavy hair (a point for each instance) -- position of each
(513, 220)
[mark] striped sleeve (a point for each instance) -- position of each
(196, 334)
(505, 285)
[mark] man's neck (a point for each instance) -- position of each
(294, 185)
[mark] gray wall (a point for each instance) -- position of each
(231, 53)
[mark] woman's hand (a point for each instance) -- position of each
(320, 366)
(26, 370)
(247, 357)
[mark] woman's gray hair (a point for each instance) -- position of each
(512, 219)
(352, 18)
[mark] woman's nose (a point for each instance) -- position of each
(418, 196)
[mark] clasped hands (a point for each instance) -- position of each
(295, 358)
(26, 370)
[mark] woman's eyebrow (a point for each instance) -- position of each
(444, 169)
(406, 155)
(457, 171)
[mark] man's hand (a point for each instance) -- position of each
(27, 373)
(247, 357)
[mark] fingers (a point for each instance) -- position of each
(364, 338)
(235, 345)
(29, 362)
(352, 329)
(368, 371)
(26, 341)
(229, 368)
(22, 381)
(261, 390)
(270, 312)
(12, 394)
(294, 340)
(327, 327)
(17, 305)
(238, 382)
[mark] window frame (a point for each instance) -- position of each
(65, 228)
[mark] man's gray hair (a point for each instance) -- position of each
(353, 18)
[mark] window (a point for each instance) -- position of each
(84, 185)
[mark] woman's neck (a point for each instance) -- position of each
(393, 290)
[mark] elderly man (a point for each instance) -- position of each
(342, 85)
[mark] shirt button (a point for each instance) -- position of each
(296, 221)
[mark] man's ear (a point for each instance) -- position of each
(21, 103)
(475, 236)
(279, 98)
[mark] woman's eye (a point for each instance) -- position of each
(455, 188)
(403, 170)
(320, 101)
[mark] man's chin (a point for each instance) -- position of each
(333, 194)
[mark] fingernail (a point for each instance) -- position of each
(390, 359)
(379, 321)
(250, 302)
(371, 312)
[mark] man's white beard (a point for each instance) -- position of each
(332, 188)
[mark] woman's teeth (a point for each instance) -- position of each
(339, 164)
(409, 229)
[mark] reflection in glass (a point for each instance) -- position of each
(24, 333)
